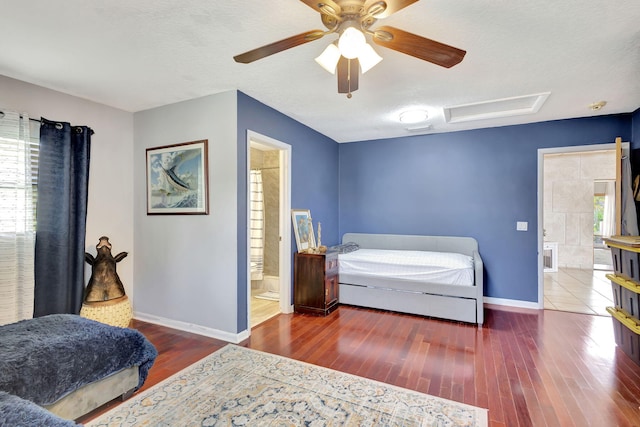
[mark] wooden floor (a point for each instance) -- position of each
(529, 368)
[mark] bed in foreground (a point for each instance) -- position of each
(390, 273)
(70, 365)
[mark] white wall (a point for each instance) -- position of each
(110, 208)
(181, 269)
(186, 265)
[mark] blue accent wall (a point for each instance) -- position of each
(314, 177)
(476, 183)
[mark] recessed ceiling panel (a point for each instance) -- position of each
(506, 107)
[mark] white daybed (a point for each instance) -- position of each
(462, 301)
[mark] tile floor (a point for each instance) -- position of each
(578, 291)
(262, 309)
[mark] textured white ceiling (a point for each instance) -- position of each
(140, 54)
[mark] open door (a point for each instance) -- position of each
(618, 185)
(626, 217)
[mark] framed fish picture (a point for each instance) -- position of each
(177, 179)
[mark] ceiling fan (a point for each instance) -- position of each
(352, 19)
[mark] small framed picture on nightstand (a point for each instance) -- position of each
(303, 229)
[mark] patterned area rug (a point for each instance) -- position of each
(242, 387)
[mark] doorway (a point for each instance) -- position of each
(569, 181)
(268, 199)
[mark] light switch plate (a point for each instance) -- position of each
(522, 226)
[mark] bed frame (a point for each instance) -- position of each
(453, 302)
(121, 385)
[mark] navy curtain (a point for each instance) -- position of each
(63, 184)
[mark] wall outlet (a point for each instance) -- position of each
(522, 226)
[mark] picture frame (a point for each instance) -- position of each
(303, 229)
(178, 179)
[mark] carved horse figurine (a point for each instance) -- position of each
(104, 283)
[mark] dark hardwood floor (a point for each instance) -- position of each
(529, 368)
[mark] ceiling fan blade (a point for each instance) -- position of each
(417, 46)
(320, 6)
(348, 72)
(279, 46)
(392, 6)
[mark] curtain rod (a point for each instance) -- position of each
(58, 124)
(30, 119)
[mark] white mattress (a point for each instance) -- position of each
(420, 266)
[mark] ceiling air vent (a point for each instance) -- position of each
(505, 107)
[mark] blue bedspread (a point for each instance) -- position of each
(17, 412)
(46, 358)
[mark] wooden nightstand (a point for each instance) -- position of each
(315, 283)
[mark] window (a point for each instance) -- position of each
(15, 194)
(19, 142)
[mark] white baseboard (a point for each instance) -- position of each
(513, 303)
(288, 309)
(190, 327)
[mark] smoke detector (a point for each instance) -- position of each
(597, 105)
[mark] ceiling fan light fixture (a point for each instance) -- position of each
(351, 42)
(329, 58)
(368, 58)
(413, 116)
(350, 55)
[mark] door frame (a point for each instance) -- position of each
(558, 150)
(284, 256)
